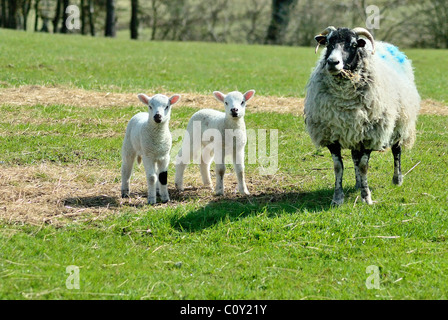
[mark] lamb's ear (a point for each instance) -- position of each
(175, 98)
(144, 98)
(219, 95)
(249, 94)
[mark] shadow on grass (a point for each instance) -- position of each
(268, 204)
(92, 202)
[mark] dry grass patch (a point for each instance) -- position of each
(52, 194)
(38, 95)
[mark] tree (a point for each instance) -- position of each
(279, 20)
(4, 23)
(57, 15)
(12, 14)
(110, 30)
(91, 22)
(65, 15)
(134, 19)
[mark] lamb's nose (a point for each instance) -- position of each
(158, 118)
(234, 110)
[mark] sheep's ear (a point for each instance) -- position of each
(249, 94)
(144, 98)
(175, 98)
(321, 39)
(361, 43)
(219, 95)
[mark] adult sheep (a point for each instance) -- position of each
(361, 96)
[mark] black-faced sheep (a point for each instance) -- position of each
(361, 96)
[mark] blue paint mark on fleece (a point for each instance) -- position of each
(398, 56)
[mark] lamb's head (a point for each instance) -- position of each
(159, 106)
(234, 102)
(344, 49)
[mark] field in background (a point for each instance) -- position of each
(59, 176)
(121, 65)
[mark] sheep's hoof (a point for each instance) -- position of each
(397, 180)
(125, 194)
(337, 203)
(208, 186)
(151, 201)
(245, 192)
(165, 200)
(367, 200)
(179, 187)
(337, 200)
(219, 193)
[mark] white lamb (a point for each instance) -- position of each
(212, 135)
(149, 139)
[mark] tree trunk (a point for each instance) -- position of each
(65, 15)
(154, 19)
(57, 16)
(279, 20)
(91, 22)
(134, 19)
(4, 15)
(26, 6)
(12, 18)
(36, 14)
(110, 19)
(83, 17)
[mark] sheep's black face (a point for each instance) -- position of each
(342, 50)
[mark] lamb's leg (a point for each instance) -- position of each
(356, 159)
(162, 171)
(338, 196)
(127, 164)
(181, 165)
(238, 163)
(151, 178)
(205, 173)
(362, 157)
(220, 171)
(398, 177)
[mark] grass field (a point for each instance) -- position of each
(60, 202)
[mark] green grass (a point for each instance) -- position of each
(283, 243)
(124, 65)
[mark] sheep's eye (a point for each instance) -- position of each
(242, 103)
(167, 107)
(150, 107)
(226, 103)
(354, 45)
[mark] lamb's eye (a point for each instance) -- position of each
(167, 107)
(150, 108)
(354, 45)
(226, 103)
(242, 103)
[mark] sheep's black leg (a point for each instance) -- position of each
(356, 158)
(361, 159)
(398, 177)
(338, 196)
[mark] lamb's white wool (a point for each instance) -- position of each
(148, 139)
(211, 135)
(372, 107)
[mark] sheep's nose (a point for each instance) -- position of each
(332, 62)
(158, 118)
(234, 110)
